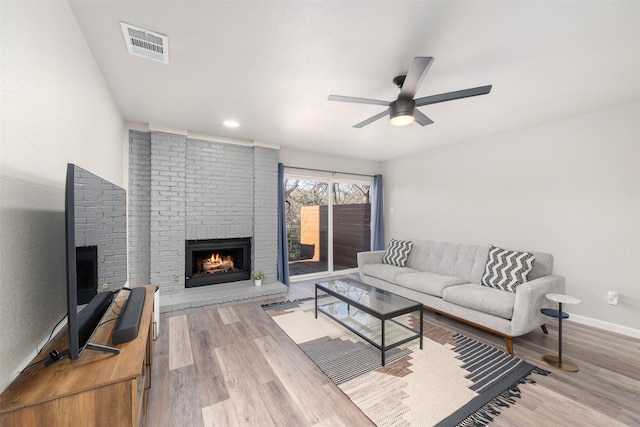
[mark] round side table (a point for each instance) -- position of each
(557, 361)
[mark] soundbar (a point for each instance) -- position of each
(128, 322)
(90, 315)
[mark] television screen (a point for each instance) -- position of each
(96, 245)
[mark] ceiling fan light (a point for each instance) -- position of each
(401, 112)
(402, 120)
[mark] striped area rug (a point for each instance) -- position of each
(452, 381)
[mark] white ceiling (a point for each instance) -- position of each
(271, 65)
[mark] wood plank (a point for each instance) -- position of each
(185, 408)
(159, 392)
(228, 315)
(220, 414)
(275, 395)
(553, 408)
(291, 378)
(212, 389)
(160, 383)
(180, 350)
(246, 402)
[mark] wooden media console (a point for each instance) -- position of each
(98, 389)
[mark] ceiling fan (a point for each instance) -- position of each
(403, 110)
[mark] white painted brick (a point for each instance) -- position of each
(215, 197)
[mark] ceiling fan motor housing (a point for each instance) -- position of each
(402, 107)
(401, 112)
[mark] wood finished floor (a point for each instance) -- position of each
(234, 367)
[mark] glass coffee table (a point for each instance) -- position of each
(369, 312)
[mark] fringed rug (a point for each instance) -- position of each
(452, 381)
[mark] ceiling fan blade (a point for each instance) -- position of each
(371, 119)
(421, 118)
(415, 76)
(450, 96)
(341, 98)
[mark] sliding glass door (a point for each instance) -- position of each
(328, 223)
(305, 199)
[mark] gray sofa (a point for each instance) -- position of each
(446, 278)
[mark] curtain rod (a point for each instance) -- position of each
(333, 172)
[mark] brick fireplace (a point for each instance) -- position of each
(185, 189)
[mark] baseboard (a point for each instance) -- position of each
(607, 326)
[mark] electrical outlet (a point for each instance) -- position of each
(612, 298)
(105, 286)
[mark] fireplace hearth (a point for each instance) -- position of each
(215, 261)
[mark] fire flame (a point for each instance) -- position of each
(216, 259)
(217, 263)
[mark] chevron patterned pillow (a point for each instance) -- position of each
(397, 252)
(506, 269)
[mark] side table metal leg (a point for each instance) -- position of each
(421, 327)
(560, 336)
(382, 342)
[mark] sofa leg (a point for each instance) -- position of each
(509, 343)
(544, 328)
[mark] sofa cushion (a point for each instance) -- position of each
(428, 283)
(450, 259)
(397, 252)
(481, 298)
(506, 269)
(385, 271)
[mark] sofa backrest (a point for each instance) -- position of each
(542, 265)
(464, 260)
(451, 259)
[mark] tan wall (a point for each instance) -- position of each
(310, 228)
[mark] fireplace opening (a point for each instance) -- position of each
(215, 261)
(86, 273)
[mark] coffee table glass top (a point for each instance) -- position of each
(381, 302)
(378, 316)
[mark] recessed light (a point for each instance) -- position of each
(231, 123)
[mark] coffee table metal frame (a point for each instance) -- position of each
(383, 317)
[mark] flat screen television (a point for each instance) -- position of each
(96, 254)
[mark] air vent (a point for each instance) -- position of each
(145, 43)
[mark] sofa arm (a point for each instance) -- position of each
(372, 257)
(530, 298)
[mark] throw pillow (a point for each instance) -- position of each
(397, 252)
(506, 269)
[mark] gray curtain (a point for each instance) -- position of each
(377, 215)
(283, 253)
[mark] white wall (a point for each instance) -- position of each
(56, 109)
(307, 159)
(571, 188)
